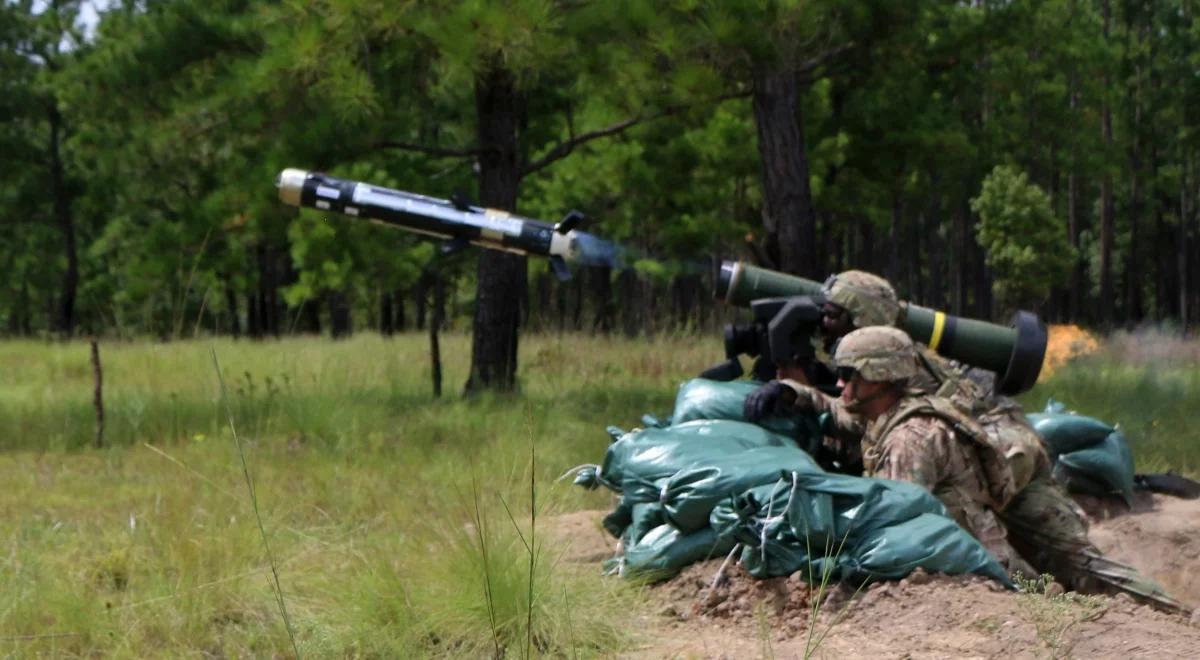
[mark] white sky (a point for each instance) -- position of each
(89, 15)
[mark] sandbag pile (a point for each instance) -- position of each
(1089, 456)
(705, 482)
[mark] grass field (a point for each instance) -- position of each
(400, 525)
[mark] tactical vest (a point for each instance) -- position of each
(1000, 485)
(941, 380)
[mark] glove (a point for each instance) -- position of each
(765, 400)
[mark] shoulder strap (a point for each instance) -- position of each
(1001, 486)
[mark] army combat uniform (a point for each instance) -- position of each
(931, 441)
(926, 441)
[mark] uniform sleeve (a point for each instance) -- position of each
(918, 451)
(845, 424)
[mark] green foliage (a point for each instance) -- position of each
(365, 486)
(177, 115)
(1025, 241)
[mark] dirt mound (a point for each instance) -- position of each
(1161, 538)
(707, 612)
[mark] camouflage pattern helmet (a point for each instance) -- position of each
(868, 298)
(879, 353)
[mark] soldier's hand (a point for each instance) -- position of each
(766, 400)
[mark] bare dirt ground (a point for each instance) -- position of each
(924, 616)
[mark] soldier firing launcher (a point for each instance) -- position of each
(787, 313)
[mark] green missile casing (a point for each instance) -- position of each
(1013, 352)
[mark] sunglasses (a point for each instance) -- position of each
(846, 374)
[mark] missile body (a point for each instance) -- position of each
(458, 223)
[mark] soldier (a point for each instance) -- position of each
(924, 440)
(930, 441)
(857, 299)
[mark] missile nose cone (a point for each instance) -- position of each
(290, 183)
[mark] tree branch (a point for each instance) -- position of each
(441, 152)
(564, 148)
(813, 63)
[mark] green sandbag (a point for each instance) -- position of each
(664, 551)
(645, 517)
(1067, 432)
(710, 399)
(641, 457)
(1109, 462)
(689, 495)
(632, 518)
(929, 541)
(1080, 483)
(838, 527)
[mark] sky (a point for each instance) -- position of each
(89, 14)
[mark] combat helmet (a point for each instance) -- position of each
(878, 353)
(868, 298)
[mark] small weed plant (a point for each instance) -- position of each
(1054, 612)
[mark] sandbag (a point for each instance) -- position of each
(709, 399)
(929, 541)
(689, 495)
(643, 456)
(838, 527)
(664, 550)
(1067, 432)
(1110, 462)
(1090, 456)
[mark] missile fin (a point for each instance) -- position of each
(453, 246)
(460, 201)
(569, 222)
(561, 271)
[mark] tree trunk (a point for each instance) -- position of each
(627, 282)
(253, 324)
(1075, 295)
(401, 321)
(501, 276)
(266, 291)
(602, 293)
(962, 251)
(1106, 202)
(1133, 274)
(787, 200)
(420, 302)
(64, 321)
(386, 314)
(866, 246)
(936, 253)
(435, 327)
(310, 316)
(231, 305)
(577, 312)
(1183, 264)
(891, 269)
(340, 324)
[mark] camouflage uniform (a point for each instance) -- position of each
(931, 441)
(870, 300)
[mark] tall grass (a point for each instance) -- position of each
(149, 548)
(142, 550)
(1147, 383)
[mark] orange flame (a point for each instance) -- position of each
(1065, 343)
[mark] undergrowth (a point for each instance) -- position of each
(148, 548)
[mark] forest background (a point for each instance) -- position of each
(981, 155)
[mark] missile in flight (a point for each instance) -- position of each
(454, 221)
